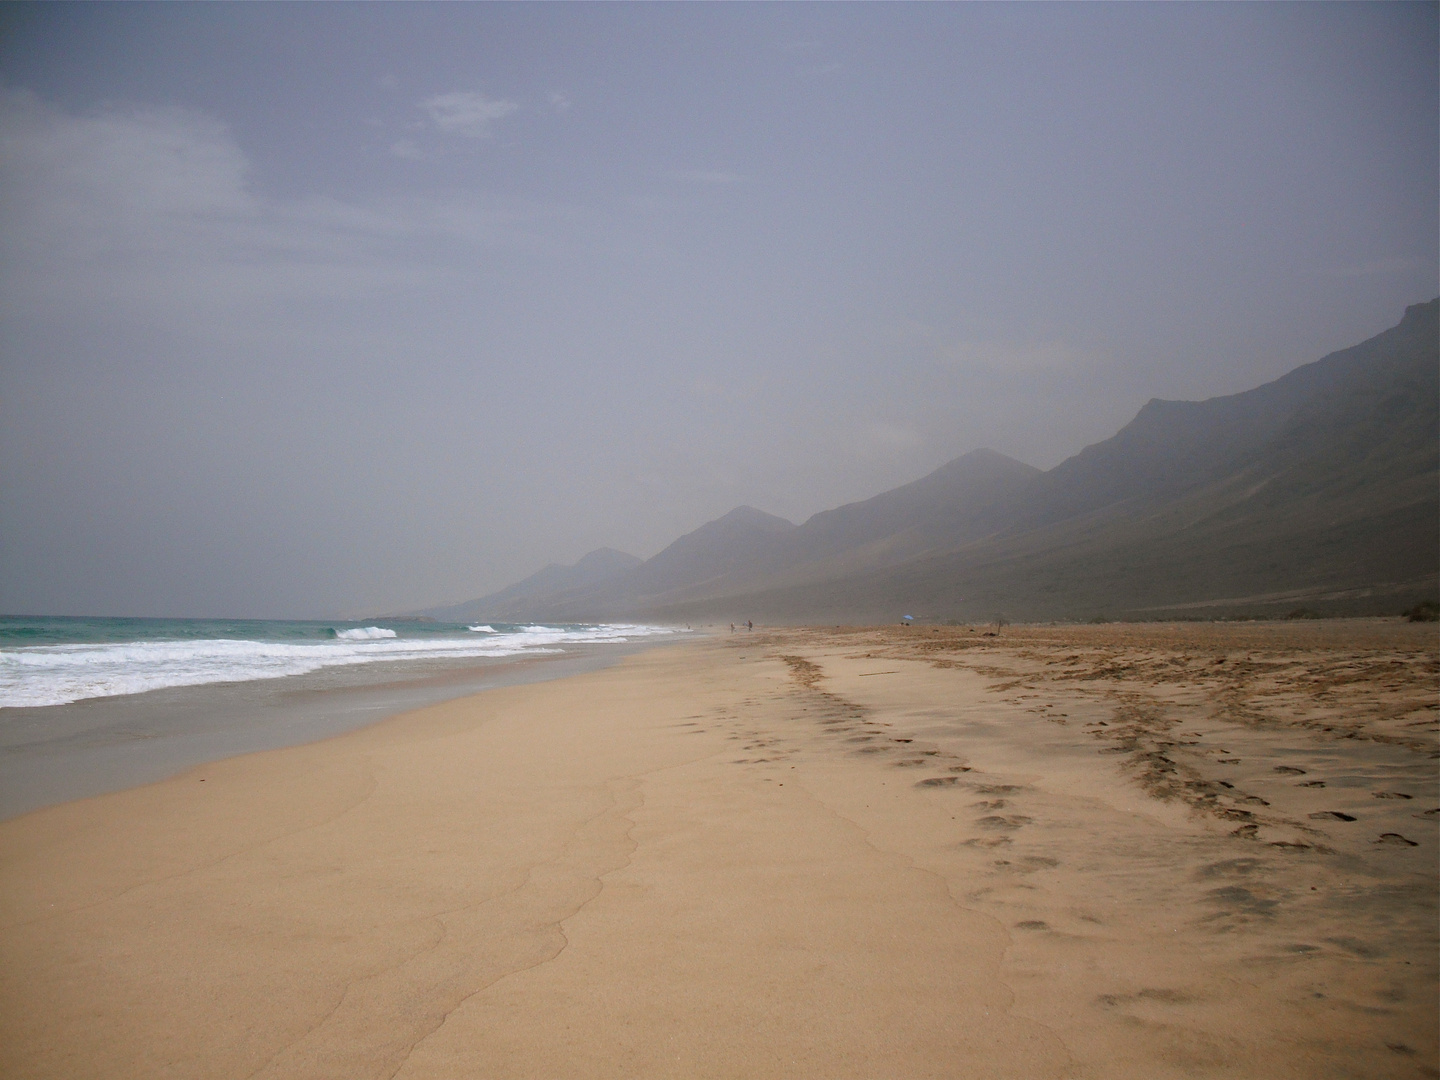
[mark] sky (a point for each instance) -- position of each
(326, 310)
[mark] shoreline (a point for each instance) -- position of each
(1098, 852)
(56, 753)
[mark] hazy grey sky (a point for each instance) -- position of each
(329, 308)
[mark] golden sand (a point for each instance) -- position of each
(1057, 852)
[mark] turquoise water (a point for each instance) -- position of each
(66, 630)
(48, 661)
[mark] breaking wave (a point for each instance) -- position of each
(364, 633)
(44, 675)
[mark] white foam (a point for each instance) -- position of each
(364, 633)
(59, 674)
(482, 629)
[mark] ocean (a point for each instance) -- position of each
(57, 661)
(94, 705)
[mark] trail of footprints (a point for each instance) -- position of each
(853, 730)
(1140, 731)
(1231, 892)
(1143, 732)
(1170, 763)
(849, 725)
(850, 729)
(994, 819)
(1163, 758)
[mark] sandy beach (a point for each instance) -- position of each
(98, 745)
(1097, 851)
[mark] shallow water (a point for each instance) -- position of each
(57, 753)
(56, 661)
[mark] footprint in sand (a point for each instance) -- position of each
(995, 821)
(1312, 783)
(1289, 770)
(1390, 795)
(1238, 900)
(1356, 947)
(1331, 815)
(1168, 997)
(1395, 840)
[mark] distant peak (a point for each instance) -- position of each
(983, 457)
(1421, 311)
(984, 453)
(750, 515)
(607, 556)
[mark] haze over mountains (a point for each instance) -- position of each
(1318, 491)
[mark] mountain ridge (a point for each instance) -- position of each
(510, 603)
(1321, 487)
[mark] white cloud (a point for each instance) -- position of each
(560, 101)
(151, 159)
(466, 113)
(408, 149)
(150, 215)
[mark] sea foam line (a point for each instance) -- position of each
(365, 633)
(46, 675)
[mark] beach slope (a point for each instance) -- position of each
(848, 853)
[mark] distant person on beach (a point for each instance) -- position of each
(749, 625)
(732, 628)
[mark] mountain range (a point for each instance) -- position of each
(1318, 492)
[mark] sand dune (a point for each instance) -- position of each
(1069, 852)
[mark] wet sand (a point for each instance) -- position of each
(1160, 851)
(61, 752)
